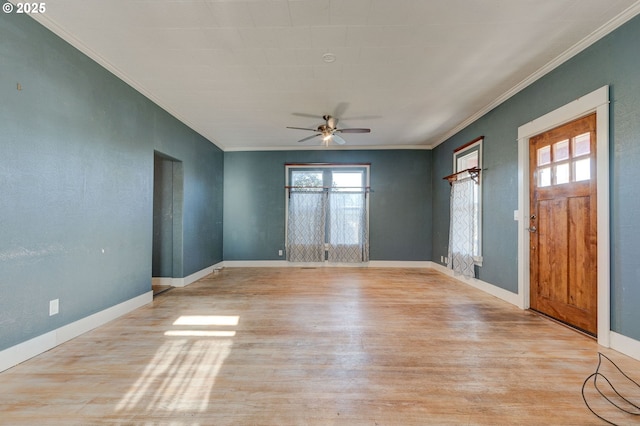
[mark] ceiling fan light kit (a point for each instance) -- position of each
(329, 131)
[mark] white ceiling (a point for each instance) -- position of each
(414, 71)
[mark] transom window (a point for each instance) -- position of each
(328, 179)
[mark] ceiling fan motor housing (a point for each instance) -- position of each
(329, 131)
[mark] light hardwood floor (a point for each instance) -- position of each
(326, 346)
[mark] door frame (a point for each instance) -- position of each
(598, 102)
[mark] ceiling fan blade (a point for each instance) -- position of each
(354, 130)
(361, 117)
(302, 114)
(302, 128)
(332, 122)
(310, 137)
(340, 109)
(337, 139)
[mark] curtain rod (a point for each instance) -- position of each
(326, 189)
(473, 172)
(328, 164)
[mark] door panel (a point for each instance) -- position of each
(581, 266)
(552, 239)
(563, 268)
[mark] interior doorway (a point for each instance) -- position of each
(166, 263)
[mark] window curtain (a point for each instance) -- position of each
(462, 227)
(348, 231)
(306, 226)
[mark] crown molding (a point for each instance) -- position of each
(613, 24)
(329, 148)
(598, 34)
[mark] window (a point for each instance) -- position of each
(327, 213)
(465, 237)
(564, 161)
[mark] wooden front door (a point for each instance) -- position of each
(563, 250)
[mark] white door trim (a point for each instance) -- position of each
(598, 102)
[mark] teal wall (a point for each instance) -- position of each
(76, 184)
(399, 209)
(614, 60)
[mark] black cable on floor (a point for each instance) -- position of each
(595, 384)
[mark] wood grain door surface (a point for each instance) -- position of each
(563, 251)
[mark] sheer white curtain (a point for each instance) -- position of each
(462, 230)
(348, 231)
(306, 226)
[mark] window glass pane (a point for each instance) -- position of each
(350, 181)
(467, 161)
(561, 150)
(306, 179)
(476, 228)
(544, 155)
(582, 145)
(582, 169)
(467, 158)
(544, 177)
(562, 173)
(346, 218)
(327, 213)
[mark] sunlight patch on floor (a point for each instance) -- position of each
(199, 333)
(183, 370)
(220, 320)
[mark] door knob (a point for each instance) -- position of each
(532, 229)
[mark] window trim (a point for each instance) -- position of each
(466, 149)
(366, 167)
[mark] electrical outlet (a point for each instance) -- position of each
(54, 307)
(279, 252)
(441, 259)
(515, 214)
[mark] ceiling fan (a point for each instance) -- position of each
(329, 131)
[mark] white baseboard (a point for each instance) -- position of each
(162, 281)
(256, 263)
(23, 351)
(287, 264)
(182, 282)
(399, 264)
(625, 345)
(493, 290)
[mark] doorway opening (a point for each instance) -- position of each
(595, 102)
(168, 195)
